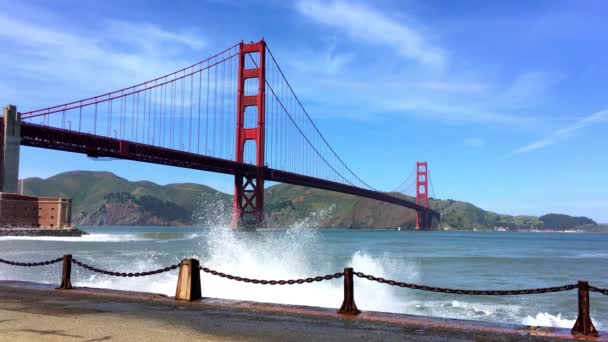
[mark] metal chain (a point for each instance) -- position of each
(30, 264)
(468, 292)
(598, 289)
(313, 279)
(124, 274)
(272, 282)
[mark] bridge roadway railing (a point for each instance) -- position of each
(189, 285)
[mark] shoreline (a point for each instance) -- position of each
(58, 232)
(34, 311)
(368, 229)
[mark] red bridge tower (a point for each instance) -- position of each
(423, 218)
(249, 189)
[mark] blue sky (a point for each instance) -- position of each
(506, 101)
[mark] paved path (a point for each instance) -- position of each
(33, 312)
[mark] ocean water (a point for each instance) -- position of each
(470, 260)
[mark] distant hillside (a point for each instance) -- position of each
(463, 215)
(288, 204)
(102, 198)
(561, 222)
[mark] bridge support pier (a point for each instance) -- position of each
(248, 201)
(424, 220)
(10, 140)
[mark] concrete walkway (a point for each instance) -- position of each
(34, 312)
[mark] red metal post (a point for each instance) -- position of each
(422, 195)
(1, 154)
(66, 274)
(348, 304)
(249, 189)
(583, 324)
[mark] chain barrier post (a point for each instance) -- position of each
(66, 275)
(348, 305)
(583, 325)
(188, 280)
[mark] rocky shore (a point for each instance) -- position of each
(62, 232)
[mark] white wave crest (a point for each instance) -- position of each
(548, 320)
(545, 319)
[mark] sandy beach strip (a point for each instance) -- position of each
(35, 312)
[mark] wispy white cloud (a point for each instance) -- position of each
(529, 87)
(411, 89)
(563, 133)
(97, 57)
(153, 36)
(356, 96)
(450, 113)
(327, 61)
(362, 22)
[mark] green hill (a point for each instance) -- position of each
(288, 204)
(97, 201)
(463, 215)
(102, 198)
(560, 221)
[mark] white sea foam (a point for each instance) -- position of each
(465, 310)
(84, 238)
(594, 255)
(549, 320)
(267, 256)
(293, 254)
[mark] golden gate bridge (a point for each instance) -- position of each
(233, 113)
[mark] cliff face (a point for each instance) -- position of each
(125, 210)
(102, 198)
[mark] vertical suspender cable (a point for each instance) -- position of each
(191, 108)
(207, 115)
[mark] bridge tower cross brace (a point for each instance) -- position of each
(249, 189)
(423, 218)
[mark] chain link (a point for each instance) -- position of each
(124, 274)
(272, 282)
(467, 292)
(31, 264)
(598, 289)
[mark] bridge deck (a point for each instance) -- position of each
(99, 146)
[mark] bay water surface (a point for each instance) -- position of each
(468, 260)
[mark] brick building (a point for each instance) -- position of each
(21, 211)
